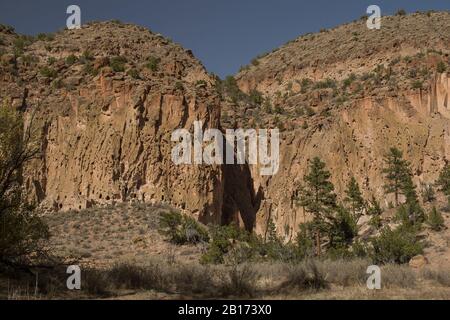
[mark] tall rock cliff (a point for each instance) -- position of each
(105, 100)
(347, 95)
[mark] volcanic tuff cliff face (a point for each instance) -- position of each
(106, 122)
(346, 95)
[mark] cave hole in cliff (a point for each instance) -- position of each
(240, 201)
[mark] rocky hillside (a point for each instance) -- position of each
(347, 95)
(104, 101)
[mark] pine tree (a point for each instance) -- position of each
(444, 181)
(318, 198)
(344, 228)
(305, 244)
(375, 212)
(271, 231)
(395, 172)
(435, 220)
(354, 197)
(412, 205)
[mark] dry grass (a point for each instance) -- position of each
(440, 276)
(312, 279)
(101, 237)
(304, 276)
(398, 276)
(122, 255)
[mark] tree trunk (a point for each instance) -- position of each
(318, 243)
(396, 198)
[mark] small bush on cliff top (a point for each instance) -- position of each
(181, 229)
(153, 63)
(48, 72)
(133, 73)
(441, 67)
(117, 64)
(70, 60)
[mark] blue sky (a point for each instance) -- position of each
(223, 34)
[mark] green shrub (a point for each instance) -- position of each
(222, 239)
(133, 73)
(400, 12)
(48, 72)
(70, 60)
(230, 87)
(45, 37)
(51, 60)
(327, 83)
(410, 213)
(359, 249)
(255, 62)
(153, 63)
(278, 109)
(117, 64)
(417, 84)
(435, 220)
(396, 246)
(86, 57)
(309, 111)
(343, 229)
(6, 28)
(256, 97)
(273, 248)
(19, 45)
(305, 84)
(444, 182)
(441, 67)
(348, 81)
(299, 111)
(179, 85)
(376, 221)
(89, 69)
(22, 233)
(181, 229)
(201, 83)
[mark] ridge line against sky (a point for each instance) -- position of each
(223, 34)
